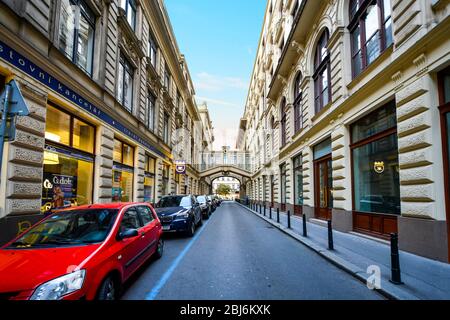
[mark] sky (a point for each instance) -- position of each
(219, 40)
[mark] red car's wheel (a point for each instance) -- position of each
(108, 289)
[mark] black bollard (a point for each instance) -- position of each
(305, 233)
(289, 219)
(278, 215)
(264, 210)
(330, 236)
(395, 260)
(270, 213)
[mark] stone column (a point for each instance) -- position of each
(308, 182)
(21, 173)
(139, 174)
(342, 192)
(103, 165)
(422, 226)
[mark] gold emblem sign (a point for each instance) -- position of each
(378, 166)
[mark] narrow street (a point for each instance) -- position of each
(228, 258)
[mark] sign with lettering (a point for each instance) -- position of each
(58, 191)
(17, 60)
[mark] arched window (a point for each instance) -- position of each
(371, 31)
(298, 114)
(283, 121)
(322, 85)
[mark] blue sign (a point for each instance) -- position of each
(17, 60)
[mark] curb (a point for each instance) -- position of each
(391, 292)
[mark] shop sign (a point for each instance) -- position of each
(17, 60)
(180, 166)
(378, 166)
(59, 191)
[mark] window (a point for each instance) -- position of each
(152, 50)
(130, 220)
(130, 11)
(167, 77)
(283, 121)
(146, 215)
(149, 179)
(371, 31)
(68, 161)
(283, 184)
(298, 181)
(123, 172)
(165, 179)
(166, 128)
(125, 84)
(150, 112)
(76, 33)
(322, 85)
(298, 114)
(376, 185)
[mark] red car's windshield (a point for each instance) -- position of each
(72, 227)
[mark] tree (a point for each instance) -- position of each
(223, 189)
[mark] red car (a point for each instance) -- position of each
(86, 252)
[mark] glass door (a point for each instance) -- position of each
(323, 188)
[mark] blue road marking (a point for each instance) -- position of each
(166, 276)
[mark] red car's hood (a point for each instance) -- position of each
(25, 269)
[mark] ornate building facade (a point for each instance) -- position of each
(112, 107)
(347, 117)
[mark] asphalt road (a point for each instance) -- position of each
(238, 256)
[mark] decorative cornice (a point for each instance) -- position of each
(300, 48)
(421, 64)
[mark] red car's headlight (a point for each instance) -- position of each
(57, 288)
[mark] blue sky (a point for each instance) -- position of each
(219, 40)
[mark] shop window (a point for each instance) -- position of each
(149, 179)
(68, 161)
(371, 31)
(283, 184)
(298, 181)
(76, 33)
(376, 186)
(123, 172)
(125, 83)
(130, 11)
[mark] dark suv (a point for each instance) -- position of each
(180, 213)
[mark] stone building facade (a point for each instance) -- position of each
(112, 107)
(347, 117)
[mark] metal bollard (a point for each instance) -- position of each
(305, 233)
(395, 260)
(289, 219)
(264, 210)
(278, 215)
(330, 236)
(270, 213)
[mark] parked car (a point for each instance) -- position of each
(180, 213)
(85, 252)
(205, 206)
(211, 202)
(218, 200)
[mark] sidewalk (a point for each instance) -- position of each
(423, 278)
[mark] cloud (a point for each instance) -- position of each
(217, 102)
(210, 82)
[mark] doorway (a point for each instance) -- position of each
(323, 186)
